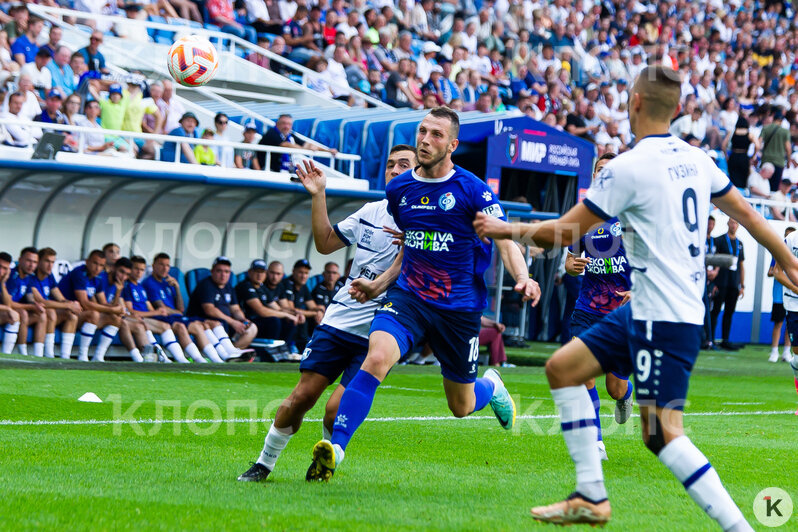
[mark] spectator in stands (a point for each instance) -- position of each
(264, 16)
(759, 182)
(739, 140)
(214, 299)
(17, 135)
(483, 104)
(778, 314)
(170, 107)
(397, 91)
(730, 282)
(19, 25)
(300, 302)
(61, 73)
(39, 73)
(95, 60)
(224, 154)
(331, 282)
(112, 113)
(185, 9)
(149, 123)
(188, 129)
(257, 56)
(282, 135)
(163, 292)
(247, 158)
(60, 312)
(51, 114)
(78, 65)
(133, 32)
(136, 108)
(9, 317)
(490, 334)
(204, 154)
(24, 48)
(782, 195)
(53, 40)
(32, 105)
(221, 14)
(92, 143)
(8, 67)
(776, 145)
(31, 313)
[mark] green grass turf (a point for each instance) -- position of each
(398, 475)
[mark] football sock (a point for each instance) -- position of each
(325, 433)
(578, 423)
(135, 354)
(629, 390)
(194, 352)
(49, 345)
(22, 349)
(11, 331)
(594, 398)
(106, 337)
(701, 481)
(67, 340)
(150, 337)
(275, 442)
(171, 344)
(794, 366)
(221, 334)
(355, 405)
(216, 344)
(38, 349)
(483, 390)
(211, 353)
(86, 334)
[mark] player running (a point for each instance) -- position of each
(660, 191)
(604, 288)
(440, 294)
(339, 344)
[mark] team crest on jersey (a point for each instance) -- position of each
(447, 201)
(616, 229)
(227, 298)
(403, 202)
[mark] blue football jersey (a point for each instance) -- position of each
(16, 286)
(78, 279)
(608, 271)
(444, 259)
(160, 291)
(44, 286)
(137, 296)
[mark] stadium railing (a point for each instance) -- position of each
(234, 42)
(268, 150)
(763, 206)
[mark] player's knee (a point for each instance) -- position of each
(14, 315)
(212, 324)
(616, 387)
(23, 316)
(553, 371)
(51, 314)
(460, 408)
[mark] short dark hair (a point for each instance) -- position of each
(96, 253)
(5, 257)
(711, 218)
(47, 252)
(160, 256)
(285, 115)
(789, 230)
(124, 262)
(450, 115)
(331, 263)
(29, 249)
(608, 156)
(220, 115)
(108, 246)
(138, 259)
(44, 52)
(402, 147)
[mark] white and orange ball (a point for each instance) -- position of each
(193, 61)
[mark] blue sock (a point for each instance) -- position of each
(483, 390)
(629, 390)
(354, 407)
(596, 404)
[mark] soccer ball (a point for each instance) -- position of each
(192, 61)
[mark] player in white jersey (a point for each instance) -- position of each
(660, 191)
(340, 343)
(790, 293)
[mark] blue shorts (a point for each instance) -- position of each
(792, 325)
(581, 321)
(453, 336)
(176, 318)
(331, 353)
(661, 354)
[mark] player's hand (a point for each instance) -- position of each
(499, 327)
(74, 307)
(161, 312)
(398, 236)
(579, 265)
(362, 290)
(319, 315)
(529, 290)
(39, 308)
(626, 295)
(491, 227)
(239, 327)
(300, 319)
(171, 281)
(311, 177)
(741, 293)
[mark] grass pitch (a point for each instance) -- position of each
(72, 465)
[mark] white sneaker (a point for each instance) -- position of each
(602, 451)
(786, 356)
(774, 355)
(83, 358)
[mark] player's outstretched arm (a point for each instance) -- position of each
(315, 182)
(733, 204)
(363, 290)
(563, 231)
(515, 263)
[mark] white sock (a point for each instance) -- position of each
(171, 344)
(38, 349)
(67, 340)
(218, 350)
(194, 352)
(276, 440)
(150, 337)
(577, 418)
(701, 481)
(22, 349)
(325, 434)
(86, 335)
(774, 351)
(211, 353)
(221, 334)
(794, 366)
(106, 337)
(11, 331)
(49, 345)
(135, 354)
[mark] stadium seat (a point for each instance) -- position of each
(238, 278)
(193, 277)
(314, 280)
(181, 282)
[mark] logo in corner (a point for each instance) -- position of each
(424, 200)
(447, 201)
(773, 507)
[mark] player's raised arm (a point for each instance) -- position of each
(733, 204)
(315, 182)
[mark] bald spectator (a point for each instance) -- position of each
(62, 75)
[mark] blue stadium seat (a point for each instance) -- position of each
(193, 277)
(314, 280)
(181, 282)
(239, 278)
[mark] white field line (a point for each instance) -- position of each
(213, 373)
(389, 387)
(743, 403)
(10, 422)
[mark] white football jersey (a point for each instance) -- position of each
(661, 191)
(374, 254)
(790, 297)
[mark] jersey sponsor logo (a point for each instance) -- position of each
(607, 266)
(365, 238)
(424, 200)
(368, 274)
(494, 210)
(387, 308)
(428, 240)
(447, 201)
(424, 204)
(616, 229)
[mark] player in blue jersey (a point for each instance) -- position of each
(605, 287)
(339, 344)
(440, 293)
(60, 311)
(30, 311)
(661, 191)
(9, 318)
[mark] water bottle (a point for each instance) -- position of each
(149, 354)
